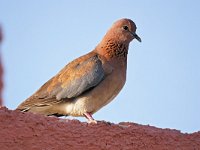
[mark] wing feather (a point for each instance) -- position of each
(82, 77)
(74, 79)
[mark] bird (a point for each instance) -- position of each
(89, 82)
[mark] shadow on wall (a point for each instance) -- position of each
(1, 70)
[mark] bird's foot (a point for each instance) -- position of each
(90, 118)
(92, 121)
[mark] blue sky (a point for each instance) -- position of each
(163, 78)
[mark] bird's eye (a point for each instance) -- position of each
(125, 27)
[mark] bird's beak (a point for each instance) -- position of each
(137, 37)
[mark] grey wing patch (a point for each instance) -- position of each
(88, 74)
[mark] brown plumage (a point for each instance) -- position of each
(89, 82)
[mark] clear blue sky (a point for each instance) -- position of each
(163, 80)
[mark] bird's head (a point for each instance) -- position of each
(123, 30)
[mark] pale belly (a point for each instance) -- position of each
(95, 99)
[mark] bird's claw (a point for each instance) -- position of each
(92, 121)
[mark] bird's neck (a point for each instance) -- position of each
(112, 49)
(115, 53)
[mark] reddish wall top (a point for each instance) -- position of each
(29, 131)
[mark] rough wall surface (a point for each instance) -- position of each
(22, 131)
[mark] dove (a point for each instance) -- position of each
(90, 82)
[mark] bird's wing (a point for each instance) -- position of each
(78, 78)
(74, 79)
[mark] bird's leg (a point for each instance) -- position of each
(90, 118)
